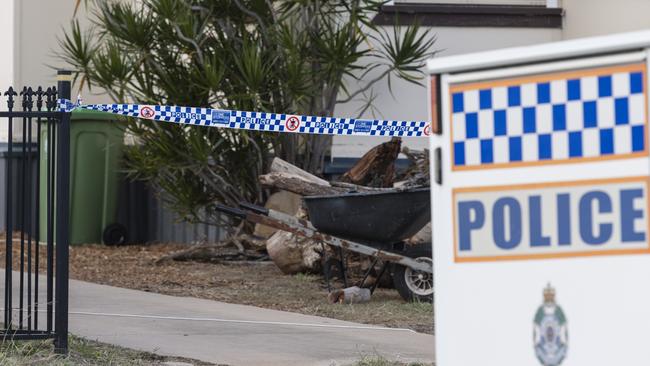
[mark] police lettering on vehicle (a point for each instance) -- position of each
(552, 220)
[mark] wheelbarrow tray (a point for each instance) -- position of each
(373, 248)
(373, 218)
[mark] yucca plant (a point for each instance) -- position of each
(289, 56)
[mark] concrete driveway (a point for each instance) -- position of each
(227, 333)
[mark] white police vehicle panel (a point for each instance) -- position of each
(540, 204)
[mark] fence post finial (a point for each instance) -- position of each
(10, 93)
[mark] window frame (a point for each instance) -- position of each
(469, 15)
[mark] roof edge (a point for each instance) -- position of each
(538, 53)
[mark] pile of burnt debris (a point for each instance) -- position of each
(294, 253)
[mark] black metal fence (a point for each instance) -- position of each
(36, 170)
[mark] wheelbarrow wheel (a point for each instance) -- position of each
(414, 285)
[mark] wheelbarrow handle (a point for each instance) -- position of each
(232, 211)
(255, 208)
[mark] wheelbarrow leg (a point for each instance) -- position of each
(326, 268)
(365, 276)
(343, 267)
(381, 273)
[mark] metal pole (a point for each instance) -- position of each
(51, 156)
(62, 218)
(23, 212)
(8, 319)
(37, 202)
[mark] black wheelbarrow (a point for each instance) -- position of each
(373, 224)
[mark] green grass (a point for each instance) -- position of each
(419, 307)
(304, 277)
(82, 352)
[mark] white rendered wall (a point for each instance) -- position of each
(584, 18)
(41, 23)
(38, 24)
(409, 102)
(7, 43)
(7, 62)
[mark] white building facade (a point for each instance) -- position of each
(465, 26)
(31, 28)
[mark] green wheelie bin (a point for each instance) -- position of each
(96, 143)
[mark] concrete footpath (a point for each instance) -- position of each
(227, 333)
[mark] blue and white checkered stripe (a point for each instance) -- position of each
(260, 121)
(122, 109)
(555, 120)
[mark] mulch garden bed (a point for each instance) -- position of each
(250, 283)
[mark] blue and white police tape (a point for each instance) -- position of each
(259, 121)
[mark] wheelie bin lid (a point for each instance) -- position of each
(84, 114)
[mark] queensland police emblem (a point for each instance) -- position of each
(550, 334)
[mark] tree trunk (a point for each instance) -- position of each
(290, 178)
(293, 253)
(377, 167)
(297, 184)
(280, 166)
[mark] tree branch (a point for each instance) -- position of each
(191, 41)
(252, 14)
